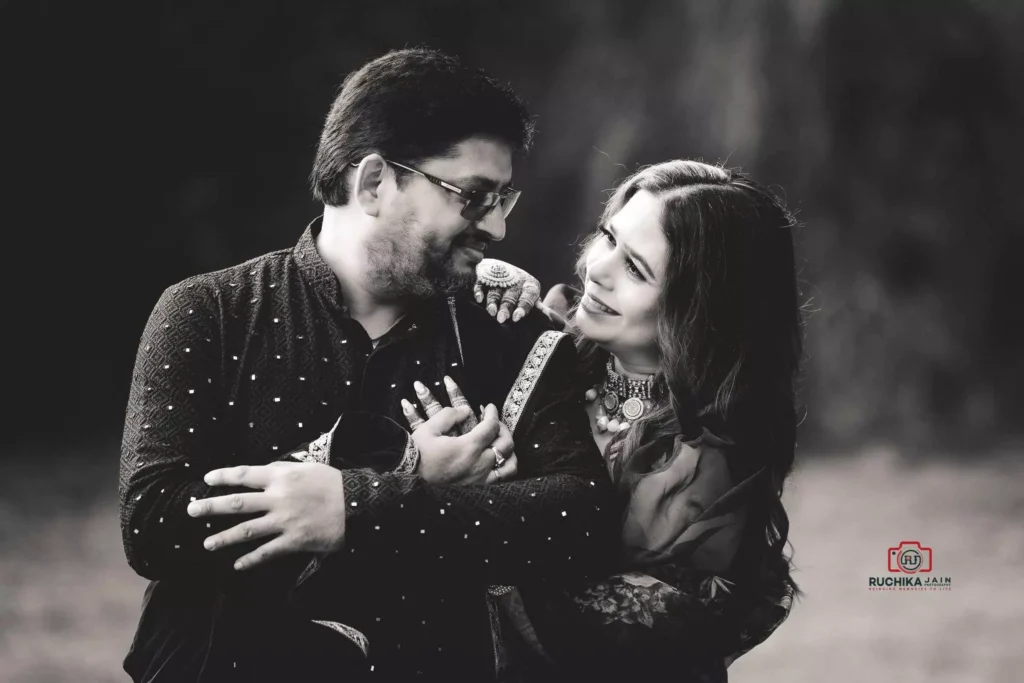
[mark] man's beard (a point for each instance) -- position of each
(404, 267)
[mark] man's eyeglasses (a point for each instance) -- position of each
(478, 203)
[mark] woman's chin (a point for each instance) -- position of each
(590, 328)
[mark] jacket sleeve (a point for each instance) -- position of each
(172, 437)
(557, 520)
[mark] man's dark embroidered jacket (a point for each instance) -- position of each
(244, 365)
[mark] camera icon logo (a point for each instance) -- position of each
(910, 557)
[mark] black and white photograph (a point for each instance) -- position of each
(512, 342)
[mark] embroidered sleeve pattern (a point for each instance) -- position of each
(639, 624)
(356, 636)
(319, 450)
(410, 458)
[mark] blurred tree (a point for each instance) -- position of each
(156, 140)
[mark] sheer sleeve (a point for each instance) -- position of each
(676, 609)
(683, 505)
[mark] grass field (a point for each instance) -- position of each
(69, 602)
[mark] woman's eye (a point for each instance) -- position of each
(634, 271)
(608, 235)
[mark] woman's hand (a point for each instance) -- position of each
(455, 447)
(505, 287)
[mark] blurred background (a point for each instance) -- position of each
(146, 142)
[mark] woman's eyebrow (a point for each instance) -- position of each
(633, 254)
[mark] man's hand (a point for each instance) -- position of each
(304, 506)
(467, 459)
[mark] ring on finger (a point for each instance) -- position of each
(499, 459)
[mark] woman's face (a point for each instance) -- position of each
(625, 271)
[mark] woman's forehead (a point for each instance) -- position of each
(638, 227)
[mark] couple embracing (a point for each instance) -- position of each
(337, 465)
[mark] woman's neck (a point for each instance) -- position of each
(633, 369)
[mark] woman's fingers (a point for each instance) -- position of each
(458, 400)
(430, 405)
(508, 301)
(455, 395)
(412, 416)
(528, 299)
(493, 297)
(478, 292)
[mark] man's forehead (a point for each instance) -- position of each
(476, 163)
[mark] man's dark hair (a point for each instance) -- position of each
(411, 105)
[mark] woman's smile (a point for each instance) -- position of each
(591, 304)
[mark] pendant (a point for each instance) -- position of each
(633, 408)
(611, 401)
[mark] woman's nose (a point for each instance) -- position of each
(599, 268)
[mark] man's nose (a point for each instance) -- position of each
(493, 225)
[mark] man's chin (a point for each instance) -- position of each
(456, 280)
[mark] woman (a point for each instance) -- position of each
(689, 333)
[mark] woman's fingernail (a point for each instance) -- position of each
(517, 315)
(420, 389)
(502, 315)
(479, 297)
(450, 384)
(492, 308)
(406, 406)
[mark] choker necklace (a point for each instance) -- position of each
(622, 399)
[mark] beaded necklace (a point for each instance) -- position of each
(623, 400)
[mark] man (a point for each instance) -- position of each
(306, 354)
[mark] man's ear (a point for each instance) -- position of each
(370, 175)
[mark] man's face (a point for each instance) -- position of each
(423, 245)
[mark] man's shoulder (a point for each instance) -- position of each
(512, 340)
(236, 275)
(234, 284)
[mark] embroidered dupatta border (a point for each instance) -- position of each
(529, 375)
(511, 411)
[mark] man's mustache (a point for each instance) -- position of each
(474, 241)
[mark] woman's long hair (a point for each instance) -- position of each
(730, 336)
